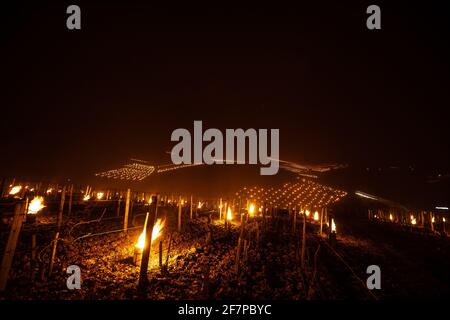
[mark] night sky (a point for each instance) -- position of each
(77, 102)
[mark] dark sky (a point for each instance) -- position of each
(74, 102)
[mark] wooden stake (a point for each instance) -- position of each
(303, 241)
(240, 240)
(179, 214)
(168, 252)
(61, 208)
(52, 261)
(190, 211)
(19, 214)
(70, 200)
(127, 210)
(238, 254)
(239, 210)
(160, 254)
(130, 214)
(294, 220)
(421, 218)
(143, 279)
(321, 220)
(2, 188)
(209, 235)
(264, 216)
(257, 235)
(118, 208)
(246, 245)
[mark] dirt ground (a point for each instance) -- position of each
(202, 261)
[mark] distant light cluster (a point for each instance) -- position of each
(171, 167)
(305, 194)
(136, 171)
(309, 171)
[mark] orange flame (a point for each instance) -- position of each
(100, 195)
(15, 190)
(316, 216)
(36, 205)
(251, 210)
(333, 226)
(229, 214)
(156, 233)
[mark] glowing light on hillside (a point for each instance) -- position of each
(365, 195)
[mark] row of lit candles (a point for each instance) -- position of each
(306, 194)
(413, 219)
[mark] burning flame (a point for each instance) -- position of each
(391, 217)
(199, 205)
(49, 190)
(432, 220)
(100, 195)
(86, 197)
(156, 233)
(251, 210)
(413, 220)
(307, 213)
(15, 190)
(36, 205)
(229, 214)
(333, 226)
(443, 219)
(316, 216)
